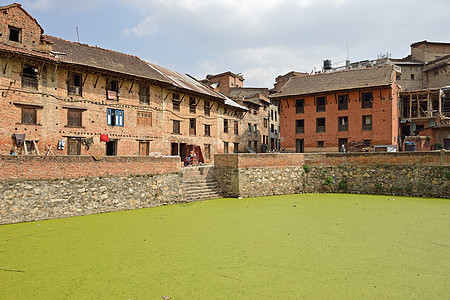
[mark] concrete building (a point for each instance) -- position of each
(66, 98)
(321, 112)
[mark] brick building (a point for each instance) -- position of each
(321, 112)
(68, 98)
(258, 130)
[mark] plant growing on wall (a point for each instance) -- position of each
(329, 180)
(447, 175)
(342, 184)
(306, 168)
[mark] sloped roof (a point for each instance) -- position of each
(336, 81)
(89, 56)
(27, 52)
(438, 63)
(184, 81)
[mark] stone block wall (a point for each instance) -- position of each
(411, 174)
(32, 200)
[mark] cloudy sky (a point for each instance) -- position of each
(259, 38)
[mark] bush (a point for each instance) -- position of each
(342, 184)
(447, 174)
(306, 168)
(329, 180)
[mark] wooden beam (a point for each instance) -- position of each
(84, 80)
(96, 81)
(131, 87)
(6, 64)
(54, 73)
(35, 147)
(410, 106)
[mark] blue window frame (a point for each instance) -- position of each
(115, 117)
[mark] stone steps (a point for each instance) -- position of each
(199, 184)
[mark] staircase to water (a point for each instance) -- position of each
(200, 183)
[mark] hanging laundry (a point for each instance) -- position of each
(20, 139)
(61, 144)
(104, 138)
(88, 142)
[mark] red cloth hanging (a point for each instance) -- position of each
(104, 138)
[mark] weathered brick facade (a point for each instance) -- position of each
(58, 92)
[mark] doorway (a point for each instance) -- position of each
(341, 142)
(300, 145)
(111, 148)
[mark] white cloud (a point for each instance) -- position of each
(146, 27)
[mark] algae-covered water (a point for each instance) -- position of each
(310, 246)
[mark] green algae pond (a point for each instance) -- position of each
(309, 246)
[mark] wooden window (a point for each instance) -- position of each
(15, 34)
(366, 100)
(144, 148)
(249, 129)
(342, 123)
(342, 102)
(299, 106)
(320, 144)
(320, 104)
(225, 147)
(192, 126)
(236, 127)
(320, 125)
(176, 127)
(192, 105)
(366, 143)
(272, 128)
(73, 146)
(29, 77)
(144, 94)
(256, 129)
(299, 126)
(207, 108)
(266, 122)
(74, 84)
(74, 118)
(144, 118)
(29, 115)
(225, 125)
(367, 123)
(207, 130)
(112, 90)
(114, 117)
(176, 101)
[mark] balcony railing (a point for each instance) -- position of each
(343, 127)
(300, 130)
(320, 129)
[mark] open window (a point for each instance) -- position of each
(236, 127)
(299, 106)
(342, 102)
(207, 130)
(367, 123)
(144, 94)
(192, 126)
(15, 34)
(192, 105)
(320, 104)
(30, 77)
(74, 84)
(366, 100)
(176, 101)
(299, 126)
(207, 108)
(342, 123)
(112, 90)
(115, 117)
(176, 127)
(320, 125)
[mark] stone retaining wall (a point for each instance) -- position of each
(31, 200)
(422, 174)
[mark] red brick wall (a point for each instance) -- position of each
(435, 158)
(55, 167)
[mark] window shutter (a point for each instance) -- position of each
(108, 116)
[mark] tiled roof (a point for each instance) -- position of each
(85, 55)
(345, 80)
(27, 52)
